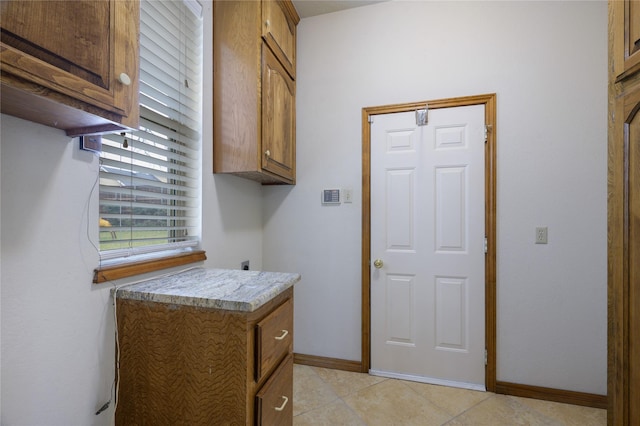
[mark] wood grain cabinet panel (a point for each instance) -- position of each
(624, 214)
(274, 402)
(279, 32)
(71, 64)
(278, 118)
(632, 142)
(274, 339)
(632, 34)
(254, 89)
(186, 365)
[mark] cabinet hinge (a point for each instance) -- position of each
(487, 129)
(486, 357)
(486, 245)
(422, 116)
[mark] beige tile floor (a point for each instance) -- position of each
(332, 397)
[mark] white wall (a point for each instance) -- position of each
(547, 63)
(57, 328)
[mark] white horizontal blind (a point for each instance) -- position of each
(150, 184)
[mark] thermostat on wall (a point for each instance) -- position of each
(330, 196)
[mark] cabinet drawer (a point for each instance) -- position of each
(274, 337)
(279, 32)
(274, 402)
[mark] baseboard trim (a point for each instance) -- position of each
(324, 362)
(551, 394)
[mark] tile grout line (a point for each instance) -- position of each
(460, 414)
(323, 405)
(341, 398)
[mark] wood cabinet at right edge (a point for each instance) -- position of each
(624, 213)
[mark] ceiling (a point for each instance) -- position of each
(308, 8)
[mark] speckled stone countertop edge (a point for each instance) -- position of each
(225, 289)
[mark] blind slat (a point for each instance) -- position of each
(167, 177)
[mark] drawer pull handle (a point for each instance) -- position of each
(284, 404)
(283, 335)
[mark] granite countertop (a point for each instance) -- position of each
(227, 289)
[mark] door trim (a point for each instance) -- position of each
(489, 101)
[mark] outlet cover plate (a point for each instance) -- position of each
(541, 235)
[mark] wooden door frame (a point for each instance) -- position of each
(489, 101)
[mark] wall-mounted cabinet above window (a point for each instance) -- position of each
(72, 65)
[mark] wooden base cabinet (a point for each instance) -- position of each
(197, 366)
(72, 65)
(254, 45)
(624, 213)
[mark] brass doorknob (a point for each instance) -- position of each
(378, 263)
(267, 153)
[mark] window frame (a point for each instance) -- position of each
(122, 267)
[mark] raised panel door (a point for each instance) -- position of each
(427, 234)
(278, 118)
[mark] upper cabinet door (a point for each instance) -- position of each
(624, 29)
(632, 34)
(85, 50)
(278, 119)
(279, 20)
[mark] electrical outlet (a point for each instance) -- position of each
(541, 235)
(244, 265)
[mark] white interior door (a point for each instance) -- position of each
(427, 247)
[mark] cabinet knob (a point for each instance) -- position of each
(124, 79)
(267, 23)
(267, 153)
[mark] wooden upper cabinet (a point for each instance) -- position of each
(71, 64)
(254, 90)
(624, 214)
(279, 32)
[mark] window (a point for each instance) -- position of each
(150, 178)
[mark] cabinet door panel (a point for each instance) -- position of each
(43, 33)
(279, 32)
(278, 118)
(632, 34)
(76, 48)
